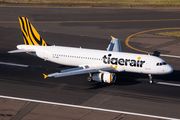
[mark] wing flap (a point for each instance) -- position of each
(78, 70)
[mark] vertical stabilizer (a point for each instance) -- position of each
(30, 35)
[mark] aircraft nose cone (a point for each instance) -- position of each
(170, 69)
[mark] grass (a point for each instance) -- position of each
(100, 2)
(169, 34)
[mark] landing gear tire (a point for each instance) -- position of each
(151, 79)
(89, 79)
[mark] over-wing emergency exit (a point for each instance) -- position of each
(100, 64)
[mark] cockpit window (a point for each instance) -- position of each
(160, 64)
(164, 63)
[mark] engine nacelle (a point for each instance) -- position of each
(105, 77)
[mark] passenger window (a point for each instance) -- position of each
(160, 64)
(157, 64)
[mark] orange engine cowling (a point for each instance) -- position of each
(105, 77)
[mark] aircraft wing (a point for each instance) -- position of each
(79, 70)
(114, 45)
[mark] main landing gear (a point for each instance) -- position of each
(89, 78)
(150, 78)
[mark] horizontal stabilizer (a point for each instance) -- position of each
(20, 51)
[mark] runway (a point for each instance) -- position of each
(131, 92)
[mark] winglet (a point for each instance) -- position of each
(45, 76)
(114, 45)
(112, 37)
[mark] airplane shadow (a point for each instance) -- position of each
(174, 76)
(121, 80)
(127, 79)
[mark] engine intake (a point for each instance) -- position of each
(105, 77)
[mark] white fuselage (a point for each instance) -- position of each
(120, 61)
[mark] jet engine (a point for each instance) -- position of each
(105, 77)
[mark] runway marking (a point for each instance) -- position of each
(14, 64)
(4, 21)
(91, 7)
(23, 112)
(170, 55)
(106, 21)
(161, 83)
(128, 38)
(170, 84)
(90, 108)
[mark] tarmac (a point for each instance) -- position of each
(163, 44)
(23, 110)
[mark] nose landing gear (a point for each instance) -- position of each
(151, 79)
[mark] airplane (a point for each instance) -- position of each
(100, 64)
